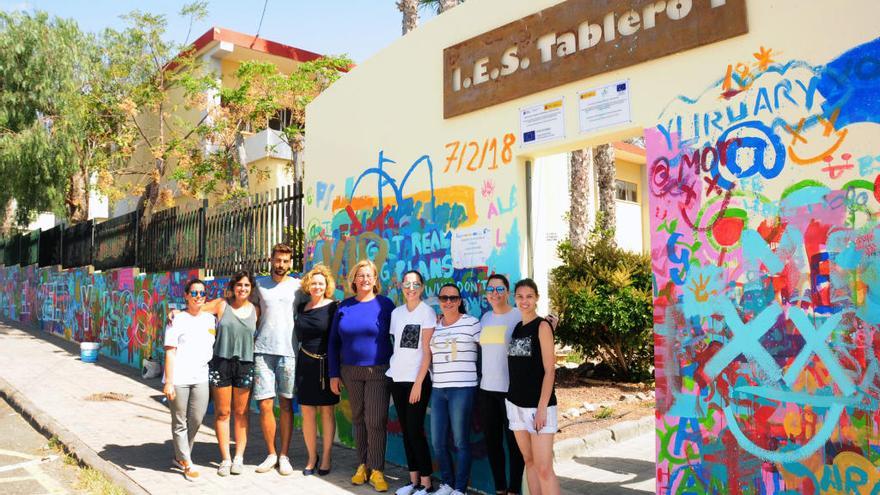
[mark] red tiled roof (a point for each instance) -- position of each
(254, 43)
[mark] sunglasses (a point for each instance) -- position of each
(448, 298)
(197, 293)
(498, 289)
(411, 285)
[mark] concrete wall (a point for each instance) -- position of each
(765, 263)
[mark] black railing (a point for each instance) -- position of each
(173, 239)
(223, 239)
(50, 246)
(115, 242)
(77, 241)
(29, 248)
(240, 236)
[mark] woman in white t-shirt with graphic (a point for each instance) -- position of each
(454, 349)
(412, 325)
(497, 326)
(189, 346)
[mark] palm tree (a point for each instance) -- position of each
(440, 6)
(605, 172)
(581, 196)
(410, 11)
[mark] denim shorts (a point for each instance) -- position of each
(274, 375)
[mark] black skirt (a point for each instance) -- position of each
(313, 382)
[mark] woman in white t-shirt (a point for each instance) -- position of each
(497, 326)
(454, 349)
(189, 346)
(412, 325)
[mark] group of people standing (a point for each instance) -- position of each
(453, 363)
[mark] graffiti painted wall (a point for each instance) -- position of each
(765, 200)
(122, 309)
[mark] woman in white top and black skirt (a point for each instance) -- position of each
(412, 325)
(531, 403)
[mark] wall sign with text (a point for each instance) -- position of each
(577, 39)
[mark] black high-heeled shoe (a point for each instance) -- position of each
(323, 472)
(308, 471)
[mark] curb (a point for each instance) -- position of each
(625, 430)
(72, 443)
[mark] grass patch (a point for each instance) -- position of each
(88, 480)
(605, 412)
(94, 482)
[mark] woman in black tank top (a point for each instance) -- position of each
(531, 404)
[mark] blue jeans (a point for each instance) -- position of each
(452, 406)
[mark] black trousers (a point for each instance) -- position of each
(491, 406)
(412, 422)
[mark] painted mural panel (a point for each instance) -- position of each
(765, 199)
(453, 216)
(404, 216)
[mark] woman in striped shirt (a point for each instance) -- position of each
(454, 347)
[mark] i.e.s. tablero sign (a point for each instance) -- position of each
(577, 39)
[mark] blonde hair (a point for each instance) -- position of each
(319, 269)
(377, 285)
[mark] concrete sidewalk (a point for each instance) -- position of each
(129, 439)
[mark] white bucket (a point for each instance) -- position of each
(88, 351)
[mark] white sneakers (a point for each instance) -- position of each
(284, 466)
(444, 490)
(406, 490)
(267, 464)
(237, 465)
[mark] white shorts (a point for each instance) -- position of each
(523, 419)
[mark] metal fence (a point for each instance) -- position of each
(241, 236)
(222, 239)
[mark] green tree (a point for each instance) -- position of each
(603, 296)
(42, 62)
(153, 80)
(263, 93)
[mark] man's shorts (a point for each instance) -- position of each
(523, 419)
(274, 375)
(230, 372)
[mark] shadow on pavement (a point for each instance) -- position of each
(643, 471)
(157, 456)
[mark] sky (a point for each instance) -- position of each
(359, 28)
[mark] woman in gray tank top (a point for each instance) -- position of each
(232, 367)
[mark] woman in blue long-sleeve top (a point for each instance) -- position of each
(358, 354)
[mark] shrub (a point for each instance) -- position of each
(603, 296)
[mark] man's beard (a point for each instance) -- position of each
(280, 271)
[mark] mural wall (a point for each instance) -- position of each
(419, 215)
(124, 309)
(765, 199)
(454, 216)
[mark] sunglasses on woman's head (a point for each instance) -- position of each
(448, 298)
(197, 293)
(499, 289)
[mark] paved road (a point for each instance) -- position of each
(28, 466)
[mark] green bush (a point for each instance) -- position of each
(603, 296)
